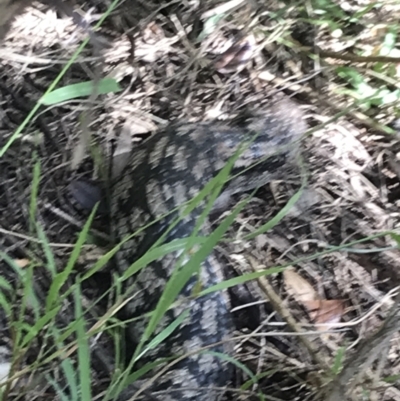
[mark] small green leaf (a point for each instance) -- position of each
(391, 379)
(83, 89)
(395, 237)
(338, 363)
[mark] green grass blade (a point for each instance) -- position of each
(241, 280)
(145, 369)
(159, 338)
(4, 301)
(62, 277)
(83, 348)
(247, 384)
(234, 361)
(5, 304)
(57, 387)
(215, 237)
(5, 284)
(29, 294)
(34, 196)
(82, 89)
(156, 253)
(51, 263)
(70, 375)
(281, 214)
(40, 323)
(239, 365)
(126, 379)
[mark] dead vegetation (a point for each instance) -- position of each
(207, 60)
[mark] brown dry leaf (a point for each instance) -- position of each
(320, 310)
(22, 262)
(378, 30)
(325, 311)
(298, 287)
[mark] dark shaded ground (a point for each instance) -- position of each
(167, 75)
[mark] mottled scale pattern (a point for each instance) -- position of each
(166, 171)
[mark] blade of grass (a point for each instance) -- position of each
(70, 375)
(126, 378)
(50, 262)
(34, 196)
(28, 298)
(51, 87)
(239, 365)
(157, 253)
(5, 304)
(82, 89)
(247, 384)
(282, 213)
(67, 366)
(159, 338)
(83, 348)
(224, 285)
(39, 324)
(57, 387)
(60, 279)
